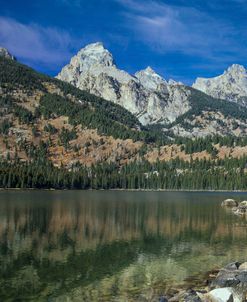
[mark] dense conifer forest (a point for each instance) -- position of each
(227, 174)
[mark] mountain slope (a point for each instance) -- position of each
(210, 116)
(17, 81)
(74, 125)
(230, 86)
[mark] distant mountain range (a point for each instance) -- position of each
(94, 69)
(156, 101)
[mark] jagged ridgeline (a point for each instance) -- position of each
(155, 100)
(54, 135)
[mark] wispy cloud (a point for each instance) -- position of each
(36, 44)
(184, 29)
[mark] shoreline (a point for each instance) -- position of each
(127, 190)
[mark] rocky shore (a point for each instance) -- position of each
(238, 208)
(228, 284)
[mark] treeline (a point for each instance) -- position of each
(107, 118)
(227, 174)
(14, 75)
(207, 143)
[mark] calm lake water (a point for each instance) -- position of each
(112, 246)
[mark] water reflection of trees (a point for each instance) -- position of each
(84, 225)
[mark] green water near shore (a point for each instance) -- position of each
(112, 245)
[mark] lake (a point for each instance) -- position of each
(112, 245)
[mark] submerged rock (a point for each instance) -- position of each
(232, 266)
(163, 299)
(243, 266)
(186, 296)
(221, 295)
(229, 203)
(192, 296)
(240, 210)
(243, 203)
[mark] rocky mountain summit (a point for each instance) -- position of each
(145, 94)
(6, 54)
(179, 109)
(230, 86)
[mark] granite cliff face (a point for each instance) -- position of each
(230, 86)
(145, 94)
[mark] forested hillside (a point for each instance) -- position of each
(53, 135)
(210, 116)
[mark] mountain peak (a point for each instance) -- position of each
(93, 54)
(235, 69)
(230, 86)
(6, 54)
(95, 46)
(149, 70)
(149, 78)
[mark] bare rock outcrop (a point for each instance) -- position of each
(146, 94)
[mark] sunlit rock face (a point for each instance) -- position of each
(231, 85)
(151, 80)
(145, 94)
(6, 54)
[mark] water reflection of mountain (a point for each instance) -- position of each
(71, 239)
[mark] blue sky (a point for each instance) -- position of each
(180, 39)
